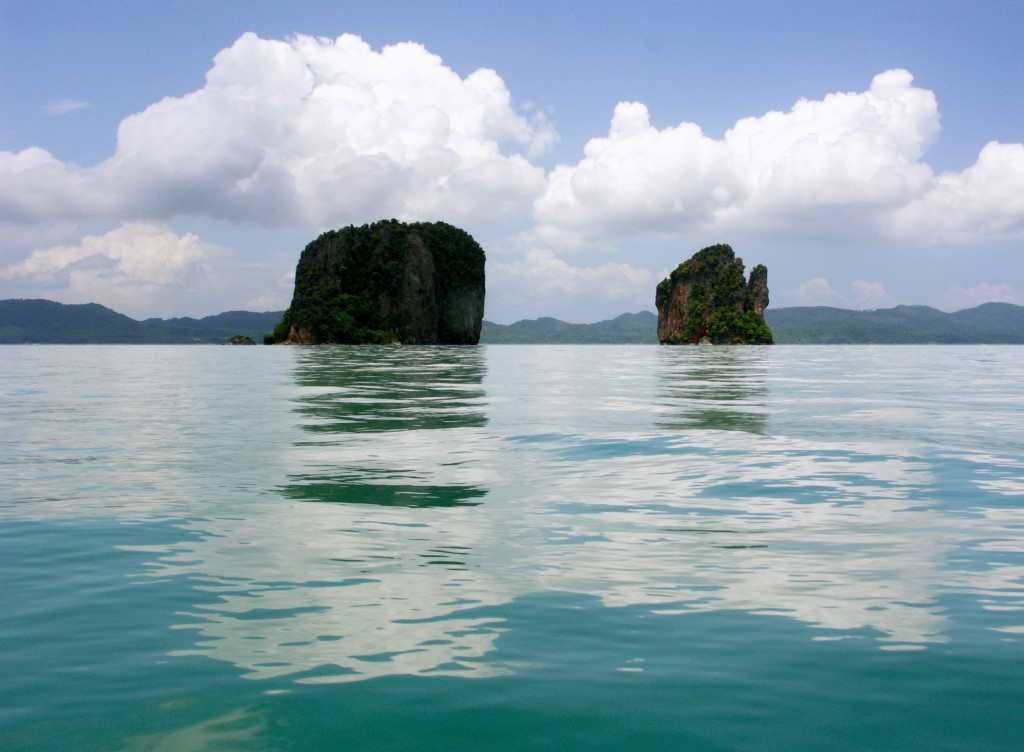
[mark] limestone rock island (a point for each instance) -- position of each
(707, 299)
(387, 282)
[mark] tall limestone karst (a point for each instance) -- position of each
(419, 283)
(708, 299)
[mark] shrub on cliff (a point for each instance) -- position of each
(387, 282)
(708, 298)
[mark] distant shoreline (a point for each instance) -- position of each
(37, 321)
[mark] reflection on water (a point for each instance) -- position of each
(721, 389)
(374, 389)
(350, 488)
(354, 401)
(237, 729)
(392, 501)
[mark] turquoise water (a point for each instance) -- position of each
(529, 548)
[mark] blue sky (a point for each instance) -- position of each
(871, 222)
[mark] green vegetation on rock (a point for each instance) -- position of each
(387, 282)
(707, 298)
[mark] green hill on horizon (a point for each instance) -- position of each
(989, 323)
(627, 328)
(37, 321)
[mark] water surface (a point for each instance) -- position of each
(510, 547)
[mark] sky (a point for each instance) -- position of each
(175, 158)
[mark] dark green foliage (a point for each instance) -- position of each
(349, 282)
(713, 262)
(662, 292)
(729, 326)
(696, 313)
(280, 333)
(719, 304)
(336, 293)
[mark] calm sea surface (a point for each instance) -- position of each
(529, 548)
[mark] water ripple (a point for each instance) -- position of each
(351, 513)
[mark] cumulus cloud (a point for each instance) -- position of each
(984, 201)
(868, 294)
(311, 132)
(545, 280)
(133, 266)
(308, 130)
(65, 106)
(818, 291)
(958, 298)
(848, 164)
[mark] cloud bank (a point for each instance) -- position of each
(310, 133)
(818, 291)
(847, 165)
(562, 289)
(133, 266)
(304, 131)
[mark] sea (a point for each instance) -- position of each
(511, 548)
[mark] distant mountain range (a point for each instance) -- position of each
(43, 321)
(988, 323)
(995, 323)
(629, 328)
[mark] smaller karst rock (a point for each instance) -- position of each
(708, 299)
(241, 339)
(387, 283)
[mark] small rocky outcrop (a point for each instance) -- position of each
(707, 299)
(241, 339)
(387, 282)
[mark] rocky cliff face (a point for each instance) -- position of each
(419, 283)
(708, 299)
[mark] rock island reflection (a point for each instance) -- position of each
(364, 406)
(417, 510)
(713, 388)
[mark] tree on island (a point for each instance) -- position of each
(387, 282)
(707, 299)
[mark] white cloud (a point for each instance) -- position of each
(543, 271)
(958, 298)
(65, 106)
(315, 133)
(309, 130)
(846, 165)
(277, 297)
(984, 201)
(818, 291)
(133, 266)
(541, 280)
(867, 294)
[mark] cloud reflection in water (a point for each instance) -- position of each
(405, 491)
